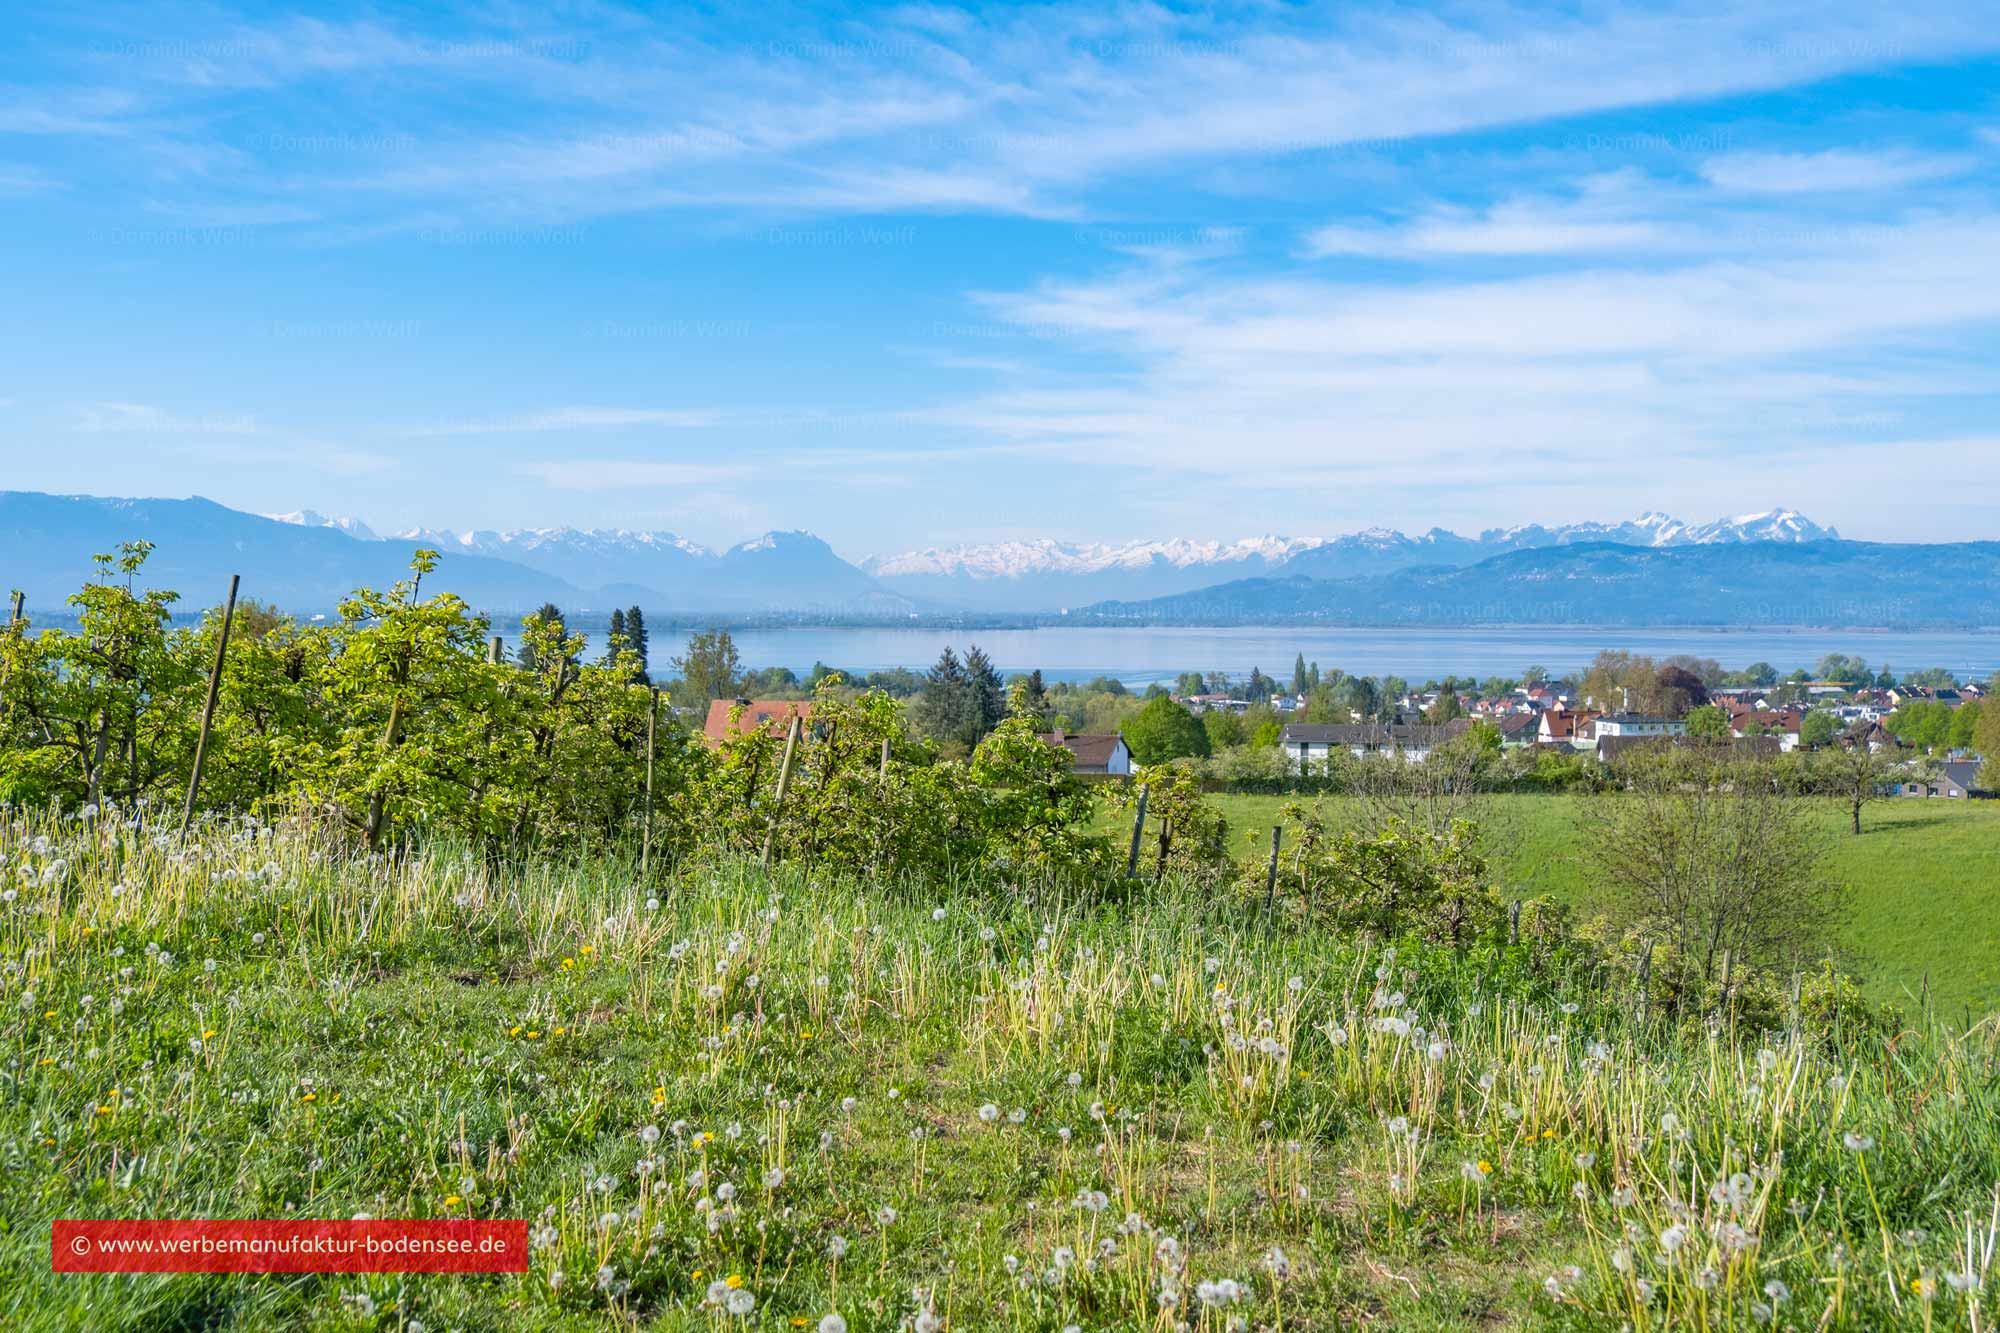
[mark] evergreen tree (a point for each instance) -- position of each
(614, 638)
(986, 706)
(1035, 696)
(1301, 681)
(635, 639)
(940, 708)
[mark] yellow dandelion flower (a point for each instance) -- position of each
(533, 1034)
(207, 1033)
(104, 1110)
(568, 963)
(805, 1034)
(514, 1031)
(734, 1281)
(1485, 1168)
(452, 1201)
(588, 948)
(310, 1097)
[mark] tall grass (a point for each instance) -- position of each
(750, 1100)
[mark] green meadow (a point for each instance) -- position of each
(1924, 877)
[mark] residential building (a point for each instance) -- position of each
(1094, 754)
(1956, 781)
(1307, 743)
(773, 715)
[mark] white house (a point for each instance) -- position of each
(1094, 754)
(1308, 743)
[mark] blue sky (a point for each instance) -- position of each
(914, 275)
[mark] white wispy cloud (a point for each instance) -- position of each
(1831, 170)
(1620, 370)
(148, 418)
(581, 418)
(1021, 112)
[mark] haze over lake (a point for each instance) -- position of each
(1141, 656)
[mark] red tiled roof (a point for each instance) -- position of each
(773, 715)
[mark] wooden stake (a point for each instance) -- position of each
(1645, 977)
(885, 756)
(1514, 922)
(495, 652)
(646, 835)
(1138, 827)
(1271, 871)
(784, 785)
(208, 705)
(13, 632)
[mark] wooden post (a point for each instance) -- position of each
(1514, 922)
(1271, 872)
(1795, 1004)
(784, 785)
(1645, 977)
(1722, 996)
(495, 653)
(646, 827)
(208, 705)
(1138, 827)
(885, 756)
(13, 631)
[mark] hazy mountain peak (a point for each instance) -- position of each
(312, 518)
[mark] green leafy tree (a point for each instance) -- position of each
(549, 614)
(1164, 730)
(1709, 722)
(1986, 739)
(1854, 775)
(1818, 728)
(709, 668)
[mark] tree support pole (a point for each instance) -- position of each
(208, 705)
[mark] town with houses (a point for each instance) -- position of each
(1768, 718)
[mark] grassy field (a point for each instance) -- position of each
(1925, 878)
(772, 1102)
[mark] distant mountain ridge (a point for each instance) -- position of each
(1831, 583)
(1771, 567)
(307, 562)
(1044, 575)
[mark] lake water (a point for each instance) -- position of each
(1141, 656)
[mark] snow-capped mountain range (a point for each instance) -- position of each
(309, 561)
(783, 570)
(1041, 575)
(1046, 556)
